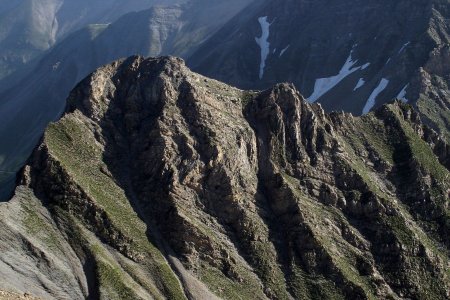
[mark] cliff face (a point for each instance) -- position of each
(348, 55)
(161, 183)
(35, 96)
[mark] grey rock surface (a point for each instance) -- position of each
(36, 95)
(348, 55)
(168, 184)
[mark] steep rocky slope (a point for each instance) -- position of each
(161, 183)
(348, 55)
(36, 96)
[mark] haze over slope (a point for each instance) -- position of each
(30, 27)
(39, 96)
(349, 55)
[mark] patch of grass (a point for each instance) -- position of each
(427, 160)
(346, 256)
(367, 175)
(437, 115)
(268, 270)
(401, 230)
(142, 281)
(259, 255)
(117, 278)
(226, 288)
(305, 287)
(247, 97)
(421, 151)
(375, 134)
(37, 226)
(111, 279)
(72, 143)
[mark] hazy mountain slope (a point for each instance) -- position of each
(258, 195)
(5, 6)
(349, 55)
(39, 97)
(29, 27)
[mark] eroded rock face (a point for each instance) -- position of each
(348, 55)
(35, 96)
(168, 184)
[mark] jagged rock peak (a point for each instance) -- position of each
(133, 70)
(161, 183)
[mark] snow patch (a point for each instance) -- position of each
(263, 43)
(284, 50)
(403, 47)
(359, 84)
(365, 66)
(371, 101)
(56, 66)
(402, 94)
(323, 85)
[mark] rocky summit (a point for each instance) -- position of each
(159, 183)
(34, 96)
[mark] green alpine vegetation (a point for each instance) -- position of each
(159, 183)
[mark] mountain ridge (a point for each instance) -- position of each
(254, 194)
(348, 55)
(36, 96)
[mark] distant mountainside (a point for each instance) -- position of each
(36, 96)
(159, 183)
(349, 55)
(30, 27)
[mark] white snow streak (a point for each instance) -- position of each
(359, 84)
(263, 43)
(365, 66)
(323, 85)
(403, 47)
(402, 94)
(371, 101)
(284, 50)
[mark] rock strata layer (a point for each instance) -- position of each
(161, 183)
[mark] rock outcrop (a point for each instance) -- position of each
(161, 183)
(348, 55)
(35, 96)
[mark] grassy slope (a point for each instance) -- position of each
(71, 142)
